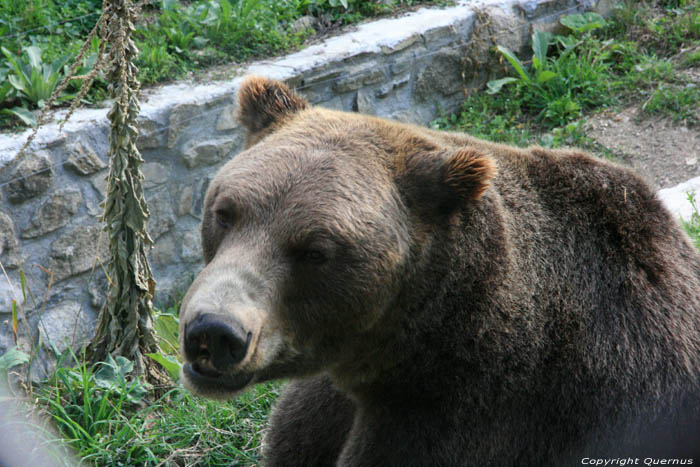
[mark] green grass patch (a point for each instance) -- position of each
(680, 104)
(174, 38)
(107, 417)
(599, 63)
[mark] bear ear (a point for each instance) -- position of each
(263, 102)
(440, 181)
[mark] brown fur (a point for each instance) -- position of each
(446, 300)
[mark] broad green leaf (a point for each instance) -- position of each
(544, 76)
(171, 365)
(169, 4)
(540, 43)
(515, 62)
(6, 90)
(23, 114)
(495, 85)
(12, 358)
(34, 54)
(583, 22)
(166, 328)
(18, 83)
(14, 61)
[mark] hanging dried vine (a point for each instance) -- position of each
(125, 325)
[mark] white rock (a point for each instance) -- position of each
(676, 198)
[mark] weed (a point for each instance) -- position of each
(558, 87)
(677, 103)
(692, 225)
(692, 58)
(33, 80)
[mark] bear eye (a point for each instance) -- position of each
(224, 218)
(312, 256)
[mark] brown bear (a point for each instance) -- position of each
(439, 300)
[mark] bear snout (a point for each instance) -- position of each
(215, 343)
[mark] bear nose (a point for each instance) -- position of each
(215, 341)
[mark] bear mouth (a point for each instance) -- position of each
(205, 379)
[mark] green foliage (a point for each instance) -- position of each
(91, 405)
(111, 418)
(32, 80)
(692, 58)
(692, 225)
(166, 326)
(677, 103)
(11, 358)
(558, 87)
(600, 63)
(174, 37)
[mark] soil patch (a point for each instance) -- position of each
(664, 151)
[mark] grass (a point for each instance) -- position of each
(174, 38)
(107, 417)
(598, 64)
(680, 104)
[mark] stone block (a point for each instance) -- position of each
(400, 45)
(99, 183)
(443, 75)
(355, 81)
(164, 251)
(191, 247)
(185, 200)
(32, 176)
(54, 213)
(401, 66)
(10, 290)
(97, 289)
(83, 160)
(437, 33)
(227, 119)
(152, 134)
(154, 174)
(507, 28)
(385, 89)
(66, 325)
(9, 244)
(211, 152)
(162, 215)
(181, 117)
(364, 103)
(77, 251)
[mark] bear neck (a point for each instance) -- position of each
(435, 309)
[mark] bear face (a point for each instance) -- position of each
(306, 231)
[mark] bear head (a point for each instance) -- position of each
(309, 236)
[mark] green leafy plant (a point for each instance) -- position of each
(166, 326)
(557, 87)
(11, 358)
(677, 103)
(692, 225)
(33, 79)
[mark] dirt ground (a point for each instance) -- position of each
(665, 152)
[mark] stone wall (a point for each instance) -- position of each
(406, 68)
